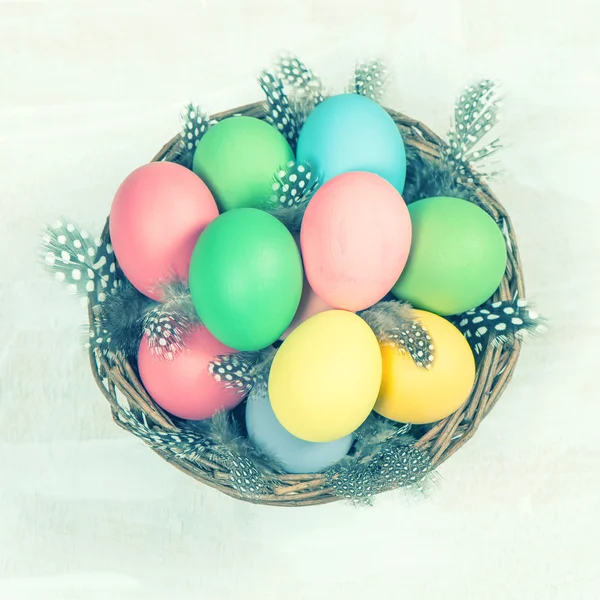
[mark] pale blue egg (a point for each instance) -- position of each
(293, 454)
(350, 132)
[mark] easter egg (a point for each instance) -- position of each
(246, 278)
(412, 394)
(293, 454)
(355, 240)
(351, 132)
(325, 377)
(457, 259)
(156, 217)
(310, 305)
(183, 386)
(238, 157)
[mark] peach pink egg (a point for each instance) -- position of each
(310, 305)
(355, 240)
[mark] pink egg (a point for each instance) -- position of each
(183, 386)
(156, 218)
(310, 305)
(355, 240)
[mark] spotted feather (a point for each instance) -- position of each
(476, 112)
(294, 73)
(369, 79)
(166, 324)
(86, 266)
(306, 89)
(195, 123)
(397, 464)
(292, 187)
(278, 112)
(118, 322)
(394, 324)
(498, 322)
(241, 370)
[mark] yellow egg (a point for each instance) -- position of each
(325, 377)
(412, 394)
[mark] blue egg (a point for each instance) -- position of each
(350, 132)
(292, 453)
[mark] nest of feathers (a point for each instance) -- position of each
(384, 455)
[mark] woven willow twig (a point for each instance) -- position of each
(440, 441)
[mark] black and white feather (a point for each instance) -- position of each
(427, 178)
(369, 79)
(476, 112)
(118, 322)
(168, 323)
(499, 322)
(243, 369)
(279, 113)
(194, 124)
(249, 468)
(389, 460)
(305, 88)
(88, 267)
(395, 324)
(109, 273)
(300, 78)
(292, 187)
(217, 440)
(381, 460)
(187, 444)
(85, 265)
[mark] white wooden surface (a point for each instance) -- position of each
(89, 91)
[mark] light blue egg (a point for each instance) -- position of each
(294, 455)
(350, 132)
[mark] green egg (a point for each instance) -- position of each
(246, 278)
(457, 257)
(237, 159)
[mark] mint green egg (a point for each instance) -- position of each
(457, 258)
(246, 278)
(237, 159)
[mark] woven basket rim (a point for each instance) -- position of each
(115, 375)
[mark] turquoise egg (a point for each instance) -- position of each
(293, 454)
(350, 132)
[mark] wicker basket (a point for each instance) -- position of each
(441, 440)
